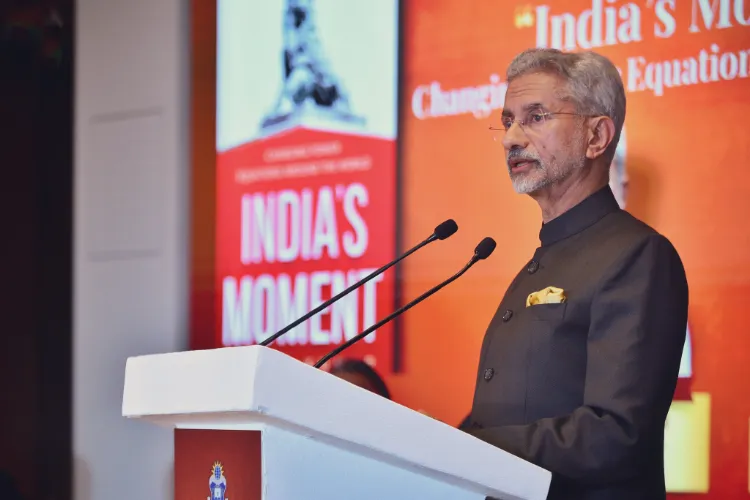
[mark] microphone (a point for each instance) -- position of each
(443, 231)
(483, 250)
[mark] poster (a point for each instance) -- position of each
(306, 119)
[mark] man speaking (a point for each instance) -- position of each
(580, 362)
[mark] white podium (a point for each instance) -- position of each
(254, 423)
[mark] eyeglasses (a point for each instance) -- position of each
(533, 121)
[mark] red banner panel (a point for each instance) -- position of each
(217, 465)
(301, 217)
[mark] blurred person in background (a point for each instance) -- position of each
(618, 173)
(362, 375)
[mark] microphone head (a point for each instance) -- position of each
(446, 229)
(485, 248)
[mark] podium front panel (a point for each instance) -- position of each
(217, 464)
(265, 462)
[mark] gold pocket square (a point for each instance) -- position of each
(550, 295)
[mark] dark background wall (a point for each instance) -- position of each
(36, 123)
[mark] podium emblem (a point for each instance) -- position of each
(217, 483)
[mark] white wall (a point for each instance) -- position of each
(131, 232)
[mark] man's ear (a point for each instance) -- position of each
(601, 133)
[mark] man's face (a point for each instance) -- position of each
(547, 147)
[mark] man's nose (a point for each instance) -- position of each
(515, 137)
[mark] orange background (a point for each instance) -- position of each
(688, 154)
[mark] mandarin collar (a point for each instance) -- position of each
(578, 218)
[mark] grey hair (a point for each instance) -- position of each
(593, 83)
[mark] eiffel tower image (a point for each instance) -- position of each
(311, 94)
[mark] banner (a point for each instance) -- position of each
(306, 172)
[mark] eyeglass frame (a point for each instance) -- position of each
(545, 114)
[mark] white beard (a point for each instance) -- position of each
(532, 181)
(547, 174)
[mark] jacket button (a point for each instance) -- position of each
(488, 374)
(507, 315)
(533, 267)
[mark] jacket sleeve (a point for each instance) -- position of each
(635, 341)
